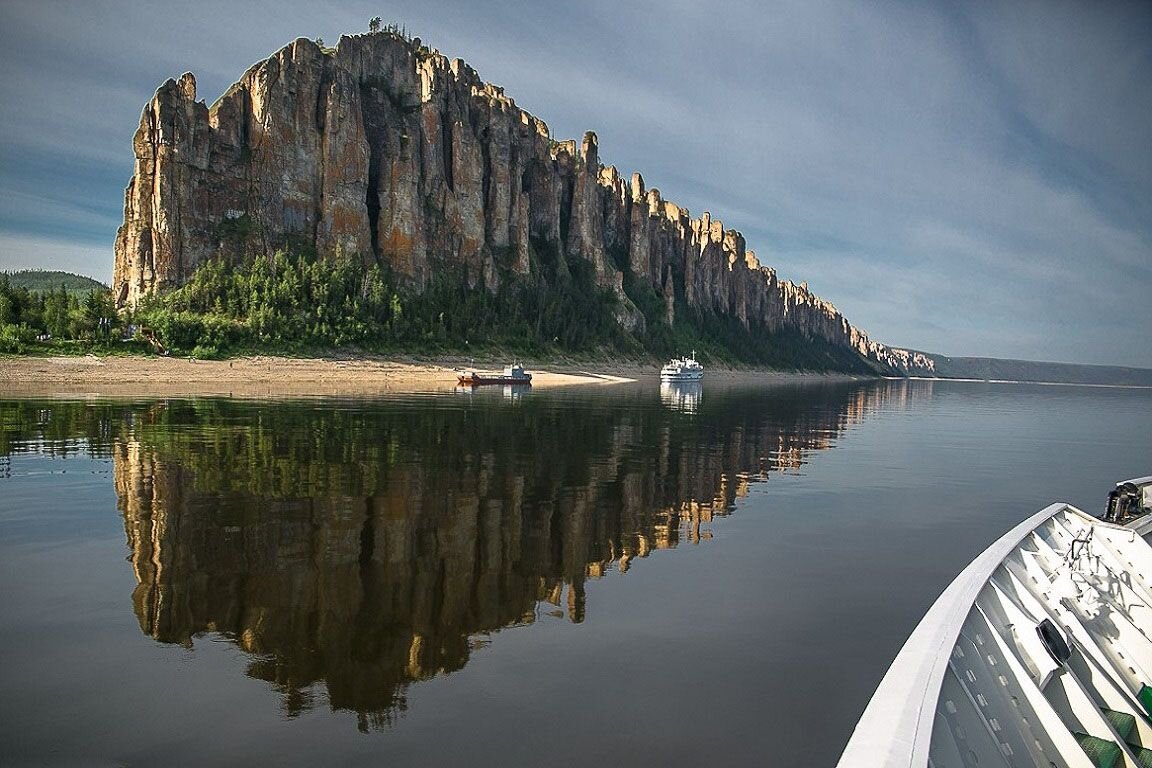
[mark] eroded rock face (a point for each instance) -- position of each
(387, 149)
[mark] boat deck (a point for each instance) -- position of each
(1039, 653)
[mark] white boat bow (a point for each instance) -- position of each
(1037, 654)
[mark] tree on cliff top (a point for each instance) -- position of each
(374, 24)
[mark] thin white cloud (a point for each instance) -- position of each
(62, 214)
(1079, 71)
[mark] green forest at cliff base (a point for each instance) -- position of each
(298, 304)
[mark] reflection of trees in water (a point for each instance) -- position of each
(370, 545)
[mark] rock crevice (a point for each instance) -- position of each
(385, 148)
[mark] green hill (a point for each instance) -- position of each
(996, 369)
(1005, 369)
(43, 280)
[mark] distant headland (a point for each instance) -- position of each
(452, 213)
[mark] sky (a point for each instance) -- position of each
(965, 178)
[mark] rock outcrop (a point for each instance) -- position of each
(385, 148)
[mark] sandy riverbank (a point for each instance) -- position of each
(252, 376)
(262, 376)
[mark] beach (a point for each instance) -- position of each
(254, 376)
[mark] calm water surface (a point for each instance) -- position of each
(624, 575)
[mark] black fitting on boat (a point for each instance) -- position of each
(1054, 642)
(1123, 503)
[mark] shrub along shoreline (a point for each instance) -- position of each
(296, 304)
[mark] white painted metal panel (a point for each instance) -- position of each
(977, 661)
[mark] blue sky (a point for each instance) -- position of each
(967, 178)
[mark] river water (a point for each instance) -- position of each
(627, 575)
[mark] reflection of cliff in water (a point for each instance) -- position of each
(372, 546)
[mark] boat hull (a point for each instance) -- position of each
(1030, 657)
(474, 380)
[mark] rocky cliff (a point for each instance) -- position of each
(385, 148)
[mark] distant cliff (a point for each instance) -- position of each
(385, 148)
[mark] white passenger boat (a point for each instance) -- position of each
(1038, 654)
(682, 369)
